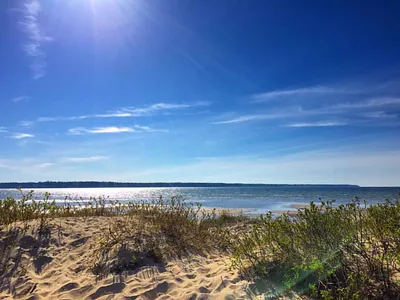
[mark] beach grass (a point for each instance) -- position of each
(118, 238)
(330, 252)
(323, 251)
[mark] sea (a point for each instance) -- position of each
(256, 200)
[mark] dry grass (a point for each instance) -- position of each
(162, 229)
(331, 252)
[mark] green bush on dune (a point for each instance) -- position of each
(346, 252)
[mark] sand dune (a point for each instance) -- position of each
(57, 266)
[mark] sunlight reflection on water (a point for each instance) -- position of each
(258, 199)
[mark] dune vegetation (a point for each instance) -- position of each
(324, 251)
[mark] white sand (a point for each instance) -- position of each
(58, 267)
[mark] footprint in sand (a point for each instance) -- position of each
(79, 269)
(179, 280)
(78, 293)
(192, 297)
(67, 287)
(221, 286)
(161, 288)
(204, 290)
(79, 242)
(114, 288)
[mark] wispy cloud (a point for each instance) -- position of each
(318, 90)
(371, 103)
(150, 110)
(84, 159)
(112, 129)
(20, 136)
(16, 135)
(335, 112)
(19, 99)
(379, 115)
(356, 103)
(26, 123)
(318, 124)
(125, 112)
(247, 118)
(110, 115)
(45, 165)
(36, 37)
(149, 129)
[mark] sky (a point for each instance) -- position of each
(203, 91)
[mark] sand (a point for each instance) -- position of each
(229, 211)
(286, 212)
(293, 209)
(57, 266)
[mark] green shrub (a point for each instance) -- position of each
(333, 252)
(27, 208)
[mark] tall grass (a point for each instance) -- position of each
(26, 209)
(161, 229)
(348, 251)
(345, 252)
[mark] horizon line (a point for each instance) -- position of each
(177, 183)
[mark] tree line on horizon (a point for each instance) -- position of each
(89, 184)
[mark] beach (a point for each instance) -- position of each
(173, 249)
(58, 265)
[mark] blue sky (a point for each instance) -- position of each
(219, 91)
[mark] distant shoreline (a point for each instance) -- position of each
(103, 184)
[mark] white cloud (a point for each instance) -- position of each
(19, 99)
(50, 119)
(361, 103)
(247, 118)
(16, 135)
(372, 103)
(358, 117)
(26, 123)
(318, 90)
(152, 109)
(357, 105)
(45, 165)
(379, 115)
(113, 129)
(36, 37)
(125, 112)
(168, 106)
(111, 115)
(19, 136)
(149, 129)
(318, 124)
(84, 159)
